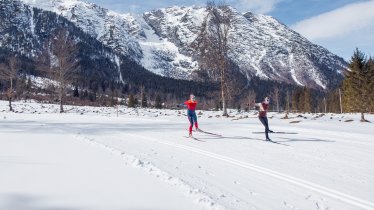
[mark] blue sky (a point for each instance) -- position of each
(338, 25)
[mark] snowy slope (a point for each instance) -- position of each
(24, 30)
(327, 164)
(260, 45)
(161, 41)
(163, 57)
(117, 31)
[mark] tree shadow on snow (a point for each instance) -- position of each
(244, 138)
(305, 140)
(231, 137)
(284, 139)
(27, 202)
(92, 128)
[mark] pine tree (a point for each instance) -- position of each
(131, 102)
(158, 102)
(295, 101)
(76, 92)
(143, 98)
(356, 85)
(307, 100)
(28, 88)
(331, 100)
(136, 102)
(370, 79)
(144, 102)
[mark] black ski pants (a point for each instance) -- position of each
(264, 121)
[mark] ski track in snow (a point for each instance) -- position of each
(198, 196)
(201, 198)
(148, 139)
(299, 182)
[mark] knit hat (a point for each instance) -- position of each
(267, 100)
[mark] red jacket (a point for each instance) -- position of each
(191, 105)
(263, 111)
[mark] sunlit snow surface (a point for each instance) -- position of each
(88, 158)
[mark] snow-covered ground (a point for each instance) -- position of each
(90, 159)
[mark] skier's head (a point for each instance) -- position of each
(266, 100)
(192, 97)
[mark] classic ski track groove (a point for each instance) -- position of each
(284, 177)
(202, 199)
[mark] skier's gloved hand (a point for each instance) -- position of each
(178, 105)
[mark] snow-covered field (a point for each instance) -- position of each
(90, 159)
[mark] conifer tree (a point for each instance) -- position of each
(295, 101)
(76, 92)
(143, 98)
(131, 102)
(370, 79)
(301, 100)
(144, 102)
(307, 100)
(158, 102)
(357, 84)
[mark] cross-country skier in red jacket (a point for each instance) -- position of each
(191, 114)
(264, 106)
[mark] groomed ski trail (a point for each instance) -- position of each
(197, 195)
(281, 176)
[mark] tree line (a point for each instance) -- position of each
(356, 93)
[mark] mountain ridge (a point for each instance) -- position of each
(160, 41)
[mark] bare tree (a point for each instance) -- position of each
(287, 104)
(275, 96)
(143, 99)
(251, 99)
(288, 96)
(212, 44)
(59, 61)
(9, 72)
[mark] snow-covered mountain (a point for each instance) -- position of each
(126, 34)
(24, 29)
(161, 40)
(118, 31)
(260, 45)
